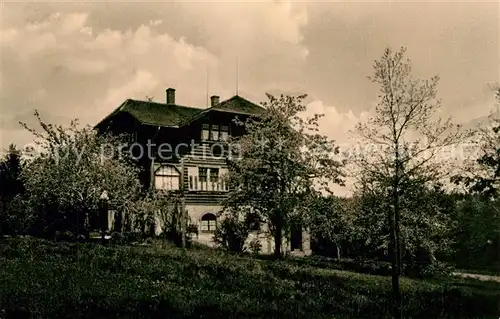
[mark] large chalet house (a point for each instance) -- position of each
(188, 150)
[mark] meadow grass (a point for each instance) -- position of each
(44, 279)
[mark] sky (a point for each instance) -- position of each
(82, 59)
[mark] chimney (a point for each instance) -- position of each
(214, 100)
(170, 96)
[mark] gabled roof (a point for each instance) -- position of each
(159, 114)
(170, 115)
(237, 104)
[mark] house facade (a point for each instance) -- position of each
(185, 149)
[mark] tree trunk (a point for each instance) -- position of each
(395, 243)
(394, 252)
(399, 242)
(338, 251)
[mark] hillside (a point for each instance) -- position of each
(41, 279)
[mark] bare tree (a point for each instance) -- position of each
(408, 135)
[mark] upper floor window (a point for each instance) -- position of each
(203, 178)
(167, 178)
(214, 174)
(224, 133)
(202, 173)
(207, 179)
(214, 132)
(214, 179)
(205, 132)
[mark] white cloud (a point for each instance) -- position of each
(89, 57)
(67, 65)
(274, 23)
(72, 23)
(39, 94)
(265, 37)
(80, 65)
(335, 124)
(141, 83)
(155, 22)
(339, 126)
(114, 64)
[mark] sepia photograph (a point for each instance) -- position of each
(249, 159)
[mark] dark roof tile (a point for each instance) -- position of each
(237, 104)
(160, 114)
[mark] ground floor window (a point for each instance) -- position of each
(208, 222)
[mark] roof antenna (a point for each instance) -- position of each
(207, 87)
(237, 74)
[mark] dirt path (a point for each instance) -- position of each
(477, 276)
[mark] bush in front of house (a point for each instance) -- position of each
(255, 246)
(231, 234)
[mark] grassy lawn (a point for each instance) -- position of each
(42, 279)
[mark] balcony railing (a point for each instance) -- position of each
(197, 184)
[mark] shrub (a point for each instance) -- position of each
(231, 234)
(428, 270)
(15, 217)
(255, 246)
(127, 238)
(118, 239)
(65, 236)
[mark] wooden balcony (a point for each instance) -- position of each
(195, 184)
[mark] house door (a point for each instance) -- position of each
(296, 237)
